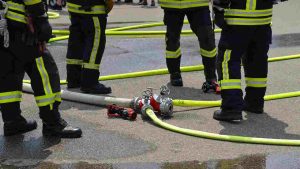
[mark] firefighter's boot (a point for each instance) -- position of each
(90, 83)
(14, 123)
(55, 126)
(222, 115)
(176, 79)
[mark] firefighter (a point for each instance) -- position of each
(198, 15)
(246, 35)
(86, 44)
(24, 31)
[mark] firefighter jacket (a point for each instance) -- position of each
(248, 12)
(18, 10)
(87, 7)
(183, 4)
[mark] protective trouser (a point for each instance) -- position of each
(251, 45)
(85, 49)
(200, 23)
(17, 60)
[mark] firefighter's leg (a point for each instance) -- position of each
(45, 83)
(233, 44)
(11, 95)
(95, 40)
(256, 69)
(229, 74)
(74, 52)
(200, 23)
(174, 22)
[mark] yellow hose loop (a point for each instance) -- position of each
(214, 136)
(217, 103)
(53, 15)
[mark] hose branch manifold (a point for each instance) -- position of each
(160, 103)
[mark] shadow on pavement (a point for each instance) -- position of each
(19, 148)
(258, 125)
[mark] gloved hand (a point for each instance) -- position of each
(43, 29)
(109, 4)
(219, 18)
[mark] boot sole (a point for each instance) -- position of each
(60, 135)
(51, 133)
(232, 118)
(93, 92)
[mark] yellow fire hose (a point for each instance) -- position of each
(214, 136)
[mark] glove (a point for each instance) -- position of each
(109, 5)
(43, 29)
(219, 18)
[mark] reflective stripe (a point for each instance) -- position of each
(16, 17)
(173, 54)
(248, 21)
(8, 97)
(248, 13)
(16, 6)
(251, 4)
(207, 53)
(32, 2)
(91, 66)
(230, 84)
(95, 48)
(97, 9)
(225, 71)
(256, 82)
(179, 4)
(74, 61)
(44, 75)
(48, 99)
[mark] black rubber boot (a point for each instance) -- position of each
(54, 125)
(14, 123)
(211, 85)
(18, 126)
(176, 79)
(227, 115)
(60, 129)
(96, 89)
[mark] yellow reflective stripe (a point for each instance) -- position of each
(248, 21)
(256, 82)
(48, 99)
(16, 17)
(8, 97)
(248, 13)
(97, 9)
(74, 61)
(32, 2)
(16, 6)
(225, 71)
(91, 66)
(44, 75)
(251, 4)
(97, 39)
(230, 84)
(207, 53)
(173, 54)
(183, 4)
